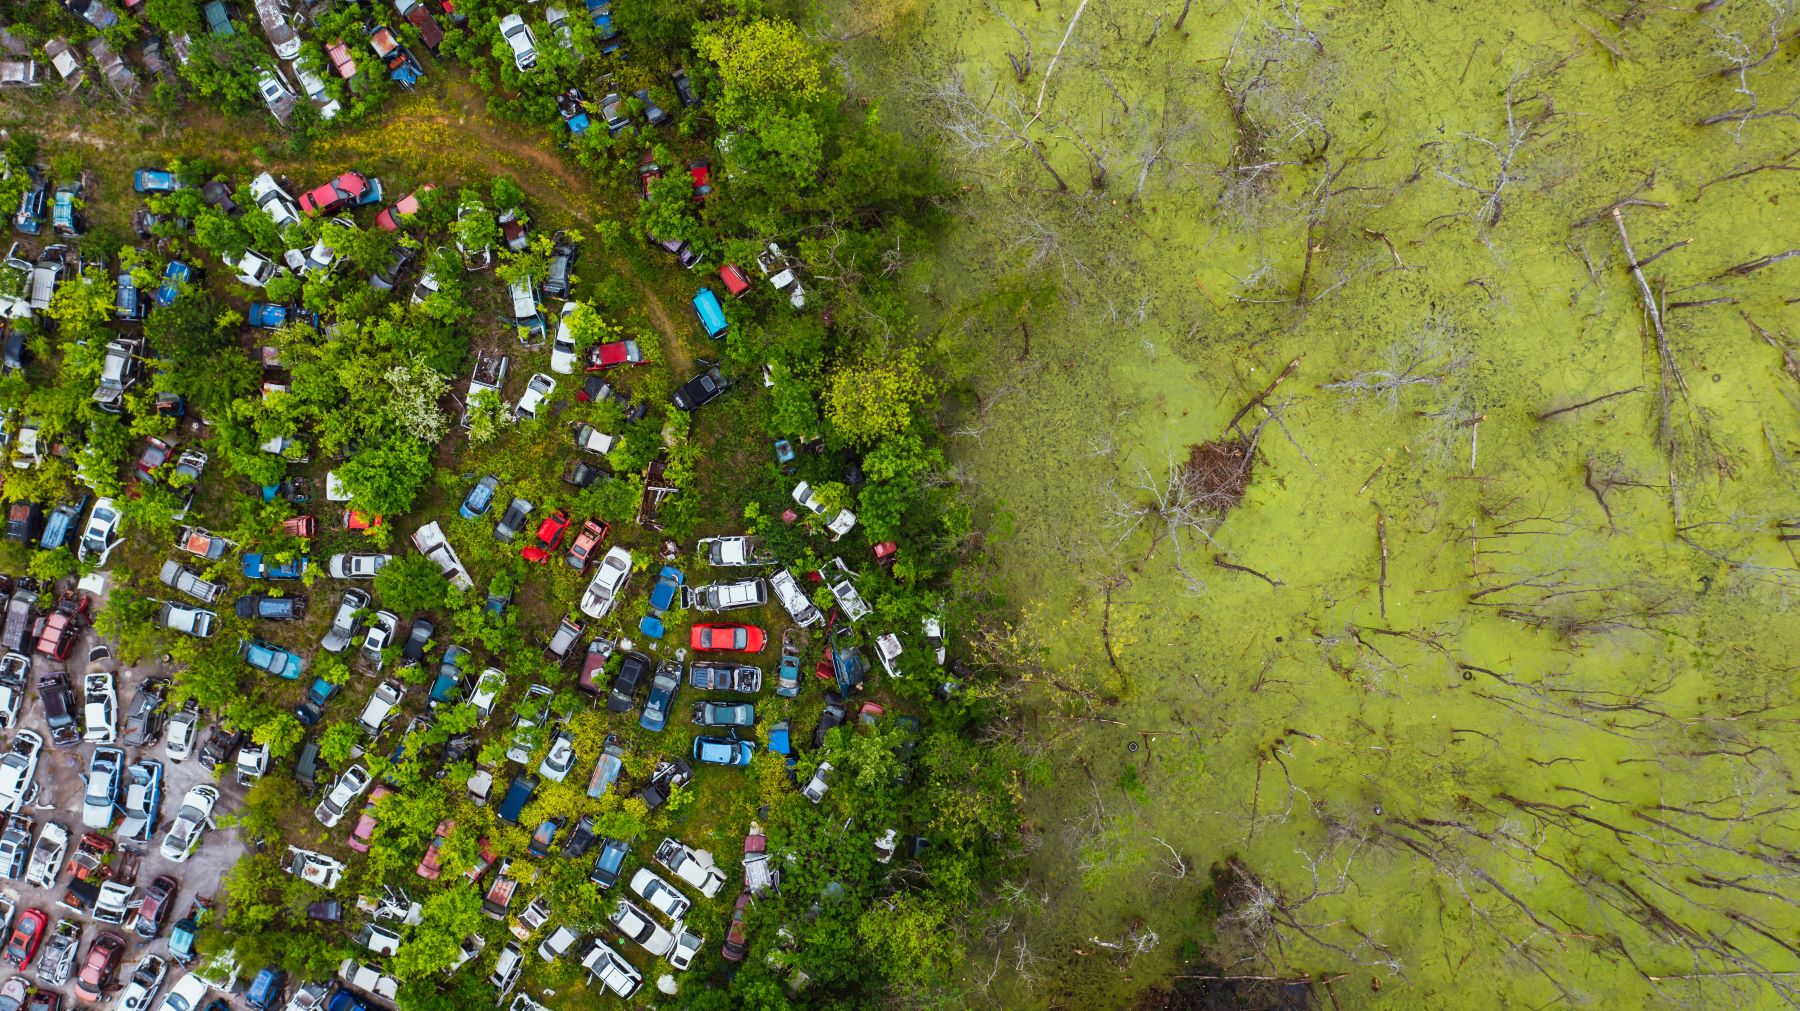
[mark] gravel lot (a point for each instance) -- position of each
(59, 798)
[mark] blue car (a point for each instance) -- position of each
(447, 689)
(128, 302)
(266, 656)
(608, 862)
(312, 708)
(604, 27)
(154, 181)
(711, 313)
(175, 275)
(723, 751)
(30, 219)
(256, 568)
(143, 800)
(64, 216)
(662, 696)
(268, 315)
(662, 598)
(480, 498)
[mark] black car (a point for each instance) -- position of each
(581, 838)
(385, 277)
(13, 353)
(668, 776)
(261, 605)
(701, 390)
(59, 709)
(217, 193)
(221, 744)
(684, 88)
(512, 521)
(416, 639)
(143, 717)
(581, 474)
(562, 266)
(652, 112)
(831, 717)
(633, 669)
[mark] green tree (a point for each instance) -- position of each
(411, 583)
(384, 478)
(338, 743)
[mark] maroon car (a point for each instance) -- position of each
(27, 934)
(155, 454)
(351, 187)
(157, 900)
(737, 936)
(100, 966)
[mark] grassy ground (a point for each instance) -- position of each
(1368, 724)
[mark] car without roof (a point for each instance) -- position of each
(145, 980)
(561, 268)
(100, 799)
(612, 109)
(547, 539)
(15, 669)
(60, 713)
(143, 800)
(143, 716)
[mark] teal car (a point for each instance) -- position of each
(266, 656)
(723, 751)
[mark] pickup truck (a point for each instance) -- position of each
(490, 374)
(402, 68)
(709, 676)
(430, 541)
(19, 613)
(180, 577)
(420, 18)
(207, 545)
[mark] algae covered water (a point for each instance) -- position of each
(1483, 694)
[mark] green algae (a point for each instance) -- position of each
(1546, 758)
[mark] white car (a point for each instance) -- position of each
(15, 671)
(537, 699)
(183, 730)
(537, 390)
(687, 945)
(141, 986)
(507, 967)
(356, 564)
(100, 712)
(381, 635)
(188, 994)
(487, 690)
(18, 768)
(380, 707)
(190, 823)
(560, 759)
(100, 801)
(933, 627)
(47, 856)
(344, 622)
(369, 980)
(275, 94)
(696, 867)
(186, 619)
(662, 896)
(350, 785)
(609, 578)
(636, 924)
(256, 269)
(276, 202)
(313, 867)
(518, 38)
(101, 535)
(815, 788)
(841, 524)
(611, 969)
(562, 350)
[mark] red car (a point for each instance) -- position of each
(737, 936)
(364, 832)
(432, 864)
(720, 638)
(101, 965)
(27, 934)
(359, 521)
(349, 188)
(581, 553)
(736, 281)
(549, 537)
(701, 172)
(62, 627)
(389, 219)
(155, 909)
(155, 454)
(613, 354)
